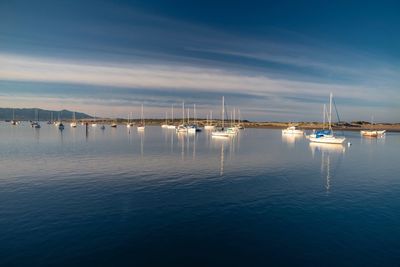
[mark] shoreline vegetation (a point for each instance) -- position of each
(6, 114)
(343, 126)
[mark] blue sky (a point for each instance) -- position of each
(274, 60)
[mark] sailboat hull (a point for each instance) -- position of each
(327, 139)
(372, 133)
(209, 127)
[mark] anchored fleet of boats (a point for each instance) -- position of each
(218, 128)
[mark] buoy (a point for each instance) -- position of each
(348, 144)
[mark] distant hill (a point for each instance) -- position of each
(26, 114)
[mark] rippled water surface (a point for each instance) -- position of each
(117, 197)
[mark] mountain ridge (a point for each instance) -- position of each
(27, 114)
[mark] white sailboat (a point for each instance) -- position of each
(129, 124)
(13, 121)
(239, 124)
(165, 125)
(114, 124)
(58, 121)
(372, 133)
(94, 123)
(141, 126)
(172, 125)
(209, 125)
(232, 130)
(221, 132)
(193, 128)
(73, 123)
(327, 136)
(182, 128)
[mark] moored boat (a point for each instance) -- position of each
(327, 136)
(221, 132)
(372, 133)
(292, 130)
(141, 126)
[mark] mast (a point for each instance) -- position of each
(166, 120)
(142, 116)
(223, 111)
(183, 113)
(172, 114)
(330, 111)
(188, 114)
(194, 113)
(324, 114)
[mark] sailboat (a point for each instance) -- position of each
(73, 123)
(182, 128)
(193, 128)
(94, 123)
(141, 126)
(129, 124)
(59, 123)
(35, 124)
(372, 133)
(222, 132)
(172, 125)
(209, 126)
(165, 125)
(232, 130)
(114, 124)
(327, 136)
(13, 121)
(51, 119)
(239, 124)
(61, 126)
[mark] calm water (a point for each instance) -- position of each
(161, 199)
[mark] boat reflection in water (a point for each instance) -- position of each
(291, 139)
(331, 158)
(227, 147)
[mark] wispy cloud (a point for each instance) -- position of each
(265, 91)
(148, 58)
(177, 77)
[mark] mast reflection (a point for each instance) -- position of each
(330, 153)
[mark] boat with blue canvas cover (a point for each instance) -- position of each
(327, 136)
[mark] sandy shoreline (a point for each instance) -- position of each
(389, 127)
